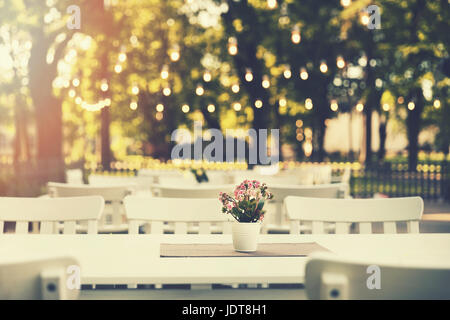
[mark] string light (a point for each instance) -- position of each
(118, 68)
(308, 104)
(199, 91)
(386, 107)
(266, 82)
(303, 74)
(175, 53)
(365, 18)
(411, 105)
(334, 106)
(295, 35)
(299, 123)
(185, 108)
(107, 102)
(248, 75)
(122, 57)
(400, 100)
(346, 3)
(167, 91)
(133, 105)
(159, 116)
(76, 82)
(78, 100)
(211, 108)
(258, 104)
(340, 62)
(104, 85)
(272, 4)
(437, 104)
(359, 107)
(165, 72)
(72, 93)
(207, 76)
(232, 46)
(282, 102)
(237, 106)
(135, 90)
(160, 107)
(235, 88)
(287, 72)
(323, 67)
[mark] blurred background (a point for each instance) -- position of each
(350, 87)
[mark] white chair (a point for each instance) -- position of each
(49, 212)
(199, 191)
(181, 212)
(74, 176)
(113, 218)
(143, 183)
(360, 211)
(37, 278)
(331, 277)
(277, 219)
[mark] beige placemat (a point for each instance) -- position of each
(226, 250)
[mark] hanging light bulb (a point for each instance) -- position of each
(159, 116)
(165, 72)
(340, 62)
(303, 73)
(104, 85)
(199, 91)
(437, 104)
(386, 107)
(122, 57)
(282, 102)
(249, 75)
(135, 90)
(232, 46)
(160, 107)
(345, 3)
(266, 82)
(323, 66)
(295, 35)
(258, 104)
(287, 72)
(272, 4)
(133, 105)
(235, 88)
(118, 68)
(167, 91)
(364, 18)
(237, 106)
(76, 82)
(185, 108)
(175, 53)
(308, 104)
(207, 76)
(359, 107)
(211, 108)
(334, 105)
(411, 106)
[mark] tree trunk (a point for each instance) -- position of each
(413, 122)
(383, 134)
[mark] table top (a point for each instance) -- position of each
(134, 259)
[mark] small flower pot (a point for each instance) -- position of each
(245, 236)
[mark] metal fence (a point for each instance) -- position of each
(431, 181)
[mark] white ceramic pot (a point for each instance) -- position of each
(245, 236)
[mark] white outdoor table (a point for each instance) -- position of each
(134, 259)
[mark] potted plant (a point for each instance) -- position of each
(246, 207)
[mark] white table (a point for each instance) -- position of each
(134, 259)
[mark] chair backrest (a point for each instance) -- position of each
(108, 192)
(197, 192)
(361, 211)
(329, 276)
(178, 211)
(49, 212)
(74, 176)
(38, 278)
(113, 195)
